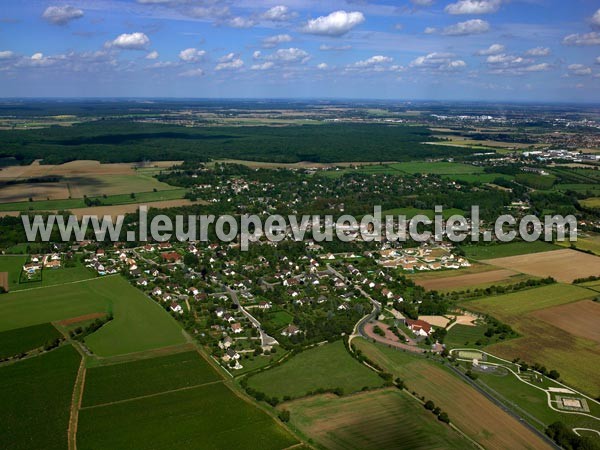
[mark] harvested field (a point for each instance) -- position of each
(372, 420)
(579, 319)
(469, 410)
(563, 265)
(22, 192)
(466, 281)
(84, 318)
(437, 321)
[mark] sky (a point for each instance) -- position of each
(488, 50)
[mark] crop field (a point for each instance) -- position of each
(36, 395)
(469, 410)
(575, 357)
(21, 340)
(412, 212)
(326, 367)
(489, 251)
(211, 415)
(139, 323)
(579, 319)
(450, 283)
(52, 277)
(376, 420)
(13, 265)
(563, 265)
(589, 242)
(464, 336)
(117, 382)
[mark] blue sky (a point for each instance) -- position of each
(530, 50)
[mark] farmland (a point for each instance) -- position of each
(212, 415)
(579, 318)
(474, 280)
(139, 324)
(325, 367)
(21, 340)
(116, 382)
(563, 265)
(371, 420)
(489, 251)
(469, 410)
(36, 395)
(12, 265)
(573, 356)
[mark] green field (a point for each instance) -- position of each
(436, 168)
(326, 367)
(589, 242)
(22, 340)
(36, 399)
(491, 251)
(13, 265)
(465, 336)
(412, 212)
(377, 420)
(202, 417)
(280, 319)
(116, 382)
(139, 323)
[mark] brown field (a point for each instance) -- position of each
(579, 319)
(115, 210)
(297, 165)
(376, 420)
(469, 410)
(563, 265)
(467, 280)
(436, 321)
(83, 318)
(37, 191)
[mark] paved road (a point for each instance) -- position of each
(265, 339)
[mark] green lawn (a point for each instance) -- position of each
(491, 251)
(21, 340)
(139, 323)
(465, 336)
(208, 417)
(326, 367)
(13, 265)
(115, 382)
(36, 398)
(62, 275)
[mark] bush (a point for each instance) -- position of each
(284, 415)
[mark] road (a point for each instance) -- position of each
(265, 339)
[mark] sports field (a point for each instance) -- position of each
(210, 416)
(21, 340)
(326, 367)
(36, 399)
(377, 420)
(139, 323)
(469, 410)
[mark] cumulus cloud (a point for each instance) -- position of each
(538, 51)
(493, 49)
(430, 30)
(191, 54)
(595, 20)
(376, 60)
(229, 62)
(279, 13)
(133, 41)
(579, 70)
(61, 15)
(263, 66)
(241, 22)
(334, 48)
(505, 59)
(192, 73)
(337, 23)
(290, 55)
(438, 61)
(273, 41)
(152, 55)
(474, 26)
(322, 66)
(6, 54)
(473, 7)
(537, 67)
(592, 38)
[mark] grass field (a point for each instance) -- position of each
(589, 242)
(116, 382)
(411, 212)
(491, 251)
(576, 358)
(327, 367)
(13, 265)
(465, 336)
(469, 410)
(202, 417)
(139, 323)
(21, 340)
(53, 277)
(455, 282)
(36, 399)
(377, 420)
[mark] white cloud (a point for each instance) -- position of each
(322, 66)
(399, 27)
(579, 70)
(596, 19)
(229, 62)
(290, 55)
(473, 7)
(538, 51)
(273, 41)
(592, 38)
(279, 13)
(505, 59)
(493, 49)
(430, 30)
(241, 22)
(191, 54)
(6, 54)
(152, 55)
(264, 66)
(537, 67)
(597, 59)
(37, 56)
(334, 48)
(373, 61)
(474, 26)
(337, 23)
(438, 61)
(192, 73)
(61, 15)
(133, 41)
